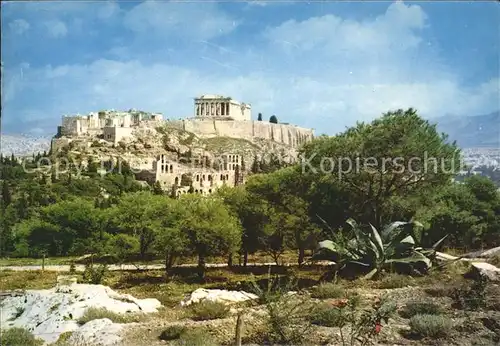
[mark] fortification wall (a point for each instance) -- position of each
(236, 129)
(282, 133)
(200, 127)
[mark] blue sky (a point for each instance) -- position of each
(324, 65)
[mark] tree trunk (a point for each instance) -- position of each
(230, 260)
(245, 258)
(301, 254)
(167, 268)
(201, 265)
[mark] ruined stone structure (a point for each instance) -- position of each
(112, 125)
(221, 108)
(179, 178)
(214, 116)
(222, 116)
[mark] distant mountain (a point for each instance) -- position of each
(471, 131)
(23, 145)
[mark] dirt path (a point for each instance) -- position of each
(80, 267)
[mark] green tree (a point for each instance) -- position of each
(171, 242)
(252, 213)
(273, 119)
(123, 246)
(6, 196)
(210, 228)
(157, 190)
(399, 154)
(287, 191)
(259, 117)
(134, 215)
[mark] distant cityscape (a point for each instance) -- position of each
(481, 161)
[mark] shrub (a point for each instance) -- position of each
(430, 325)
(98, 313)
(196, 337)
(95, 275)
(208, 310)
(327, 316)
(421, 308)
(288, 315)
(18, 336)
(172, 332)
(327, 290)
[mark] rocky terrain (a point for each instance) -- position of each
(178, 145)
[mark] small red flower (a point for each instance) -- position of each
(378, 328)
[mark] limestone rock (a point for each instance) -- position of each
(223, 296)
(102, 332)
(484, 269)
(49, 313)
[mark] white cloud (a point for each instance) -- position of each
(192, 20)
(56, 28)
(19, 26)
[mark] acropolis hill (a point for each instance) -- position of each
(221, 130)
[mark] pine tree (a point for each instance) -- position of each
(53, 177)
(157, 190)
(259, 117)
(6, 196)
(255, 165)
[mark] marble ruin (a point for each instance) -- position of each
(214, 116)
(205, 179)
(112, 125)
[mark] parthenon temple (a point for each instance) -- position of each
(215, 106)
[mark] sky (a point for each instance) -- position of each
(324, 65)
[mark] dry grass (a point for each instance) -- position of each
(208, 310)
(23, 280)
(99, 313)
(327, 291)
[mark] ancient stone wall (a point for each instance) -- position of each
(282, 133)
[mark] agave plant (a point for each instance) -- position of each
(395, 246)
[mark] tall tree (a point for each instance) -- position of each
(287, 192)
(259, 117)
(252, 213)
(6, 196)
(399, 154)
(134, 215)
(210, 228)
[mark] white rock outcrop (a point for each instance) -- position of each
(102, 332)
(49, 313)
(223, 296)
(484, 269)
